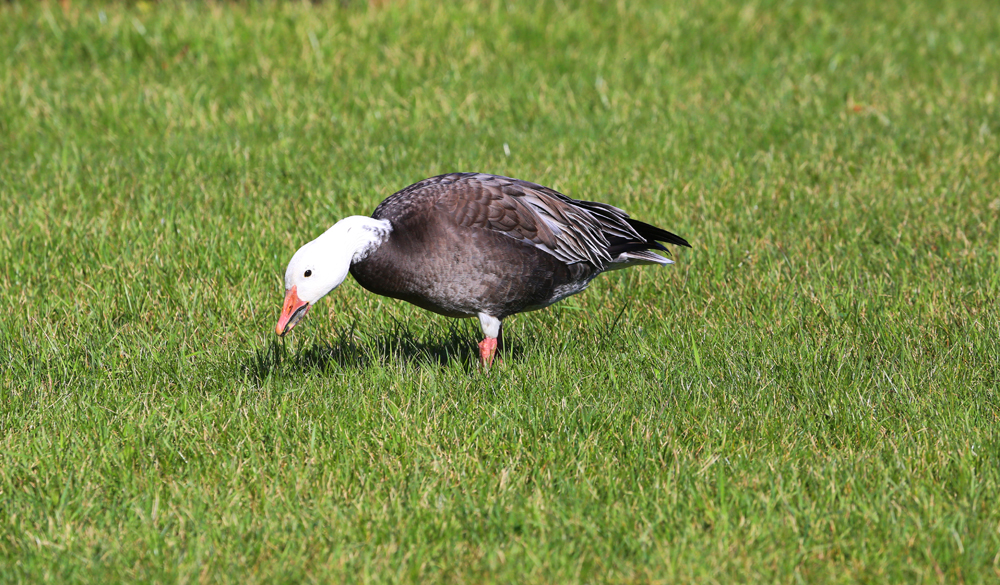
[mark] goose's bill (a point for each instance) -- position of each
(292, 311)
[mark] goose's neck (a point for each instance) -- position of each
(356, 236)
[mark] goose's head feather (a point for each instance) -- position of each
(321, 265)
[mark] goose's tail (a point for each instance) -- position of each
(630, 251)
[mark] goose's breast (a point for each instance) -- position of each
(460, 272)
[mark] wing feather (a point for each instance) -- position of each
(569, 229)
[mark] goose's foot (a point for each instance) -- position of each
(487, 351)
(492, 330)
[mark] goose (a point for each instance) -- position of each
(472, 245)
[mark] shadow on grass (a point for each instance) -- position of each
(351, 351)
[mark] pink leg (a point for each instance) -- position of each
(487, 350)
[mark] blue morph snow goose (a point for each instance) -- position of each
(472, 245)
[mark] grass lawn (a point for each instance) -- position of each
(809, 395)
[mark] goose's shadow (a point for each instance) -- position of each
(350, 350)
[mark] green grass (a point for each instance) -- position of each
(809, 394)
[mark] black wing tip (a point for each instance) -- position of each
(651, 232)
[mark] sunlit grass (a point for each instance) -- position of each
(808, 394)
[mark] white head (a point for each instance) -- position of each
(321, 265)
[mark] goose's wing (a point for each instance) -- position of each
(571, 230)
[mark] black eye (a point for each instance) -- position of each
(308, 273)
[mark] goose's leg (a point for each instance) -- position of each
(487, 351)
(488, 347)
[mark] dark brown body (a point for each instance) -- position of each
(460, 273)
(467, 243)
